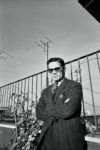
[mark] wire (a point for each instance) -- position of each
(91, 104)
(91, 90)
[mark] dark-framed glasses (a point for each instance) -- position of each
(57, 69)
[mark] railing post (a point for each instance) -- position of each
(92, 92)
(71, 71)
(82, 88)
(98, 62)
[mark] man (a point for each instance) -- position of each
(60, 108)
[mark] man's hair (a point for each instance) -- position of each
(60, 60)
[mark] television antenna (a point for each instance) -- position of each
(45, 47)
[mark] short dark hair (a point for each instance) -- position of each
(60, 60)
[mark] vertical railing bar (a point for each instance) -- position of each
(92, 92)
(98, 62)
(15, 111)
(71, 71)
(9, 101)
(32, 89)
(2, 91)
(41, 82)
(3, 100)
(32, 93)
(3, 96)
(82, 87)
(18, 88)
(21, 86)
(15, 93)
(36, 87)
(24, 90)
(15, 88)
(28, 96)
(14, 102)
(80, 71)
(9, 96)
(24, 87)
(12, 97)
(7, 89)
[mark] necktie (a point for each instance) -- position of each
(54, 88)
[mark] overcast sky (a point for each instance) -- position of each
(23, 22)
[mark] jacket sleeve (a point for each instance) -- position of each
(41, 114)
(72, 107)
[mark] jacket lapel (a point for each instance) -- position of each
(49, 95)
(60, 89)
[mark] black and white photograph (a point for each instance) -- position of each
(49, 74)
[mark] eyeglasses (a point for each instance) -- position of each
(57, 69)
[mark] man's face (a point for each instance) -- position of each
(56, 71)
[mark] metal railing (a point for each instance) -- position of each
(85, 69)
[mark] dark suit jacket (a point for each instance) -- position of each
(61, 116)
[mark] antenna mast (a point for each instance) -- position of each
(45, 46)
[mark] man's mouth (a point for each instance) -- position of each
(55, 77)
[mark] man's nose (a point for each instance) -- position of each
(54, 72)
